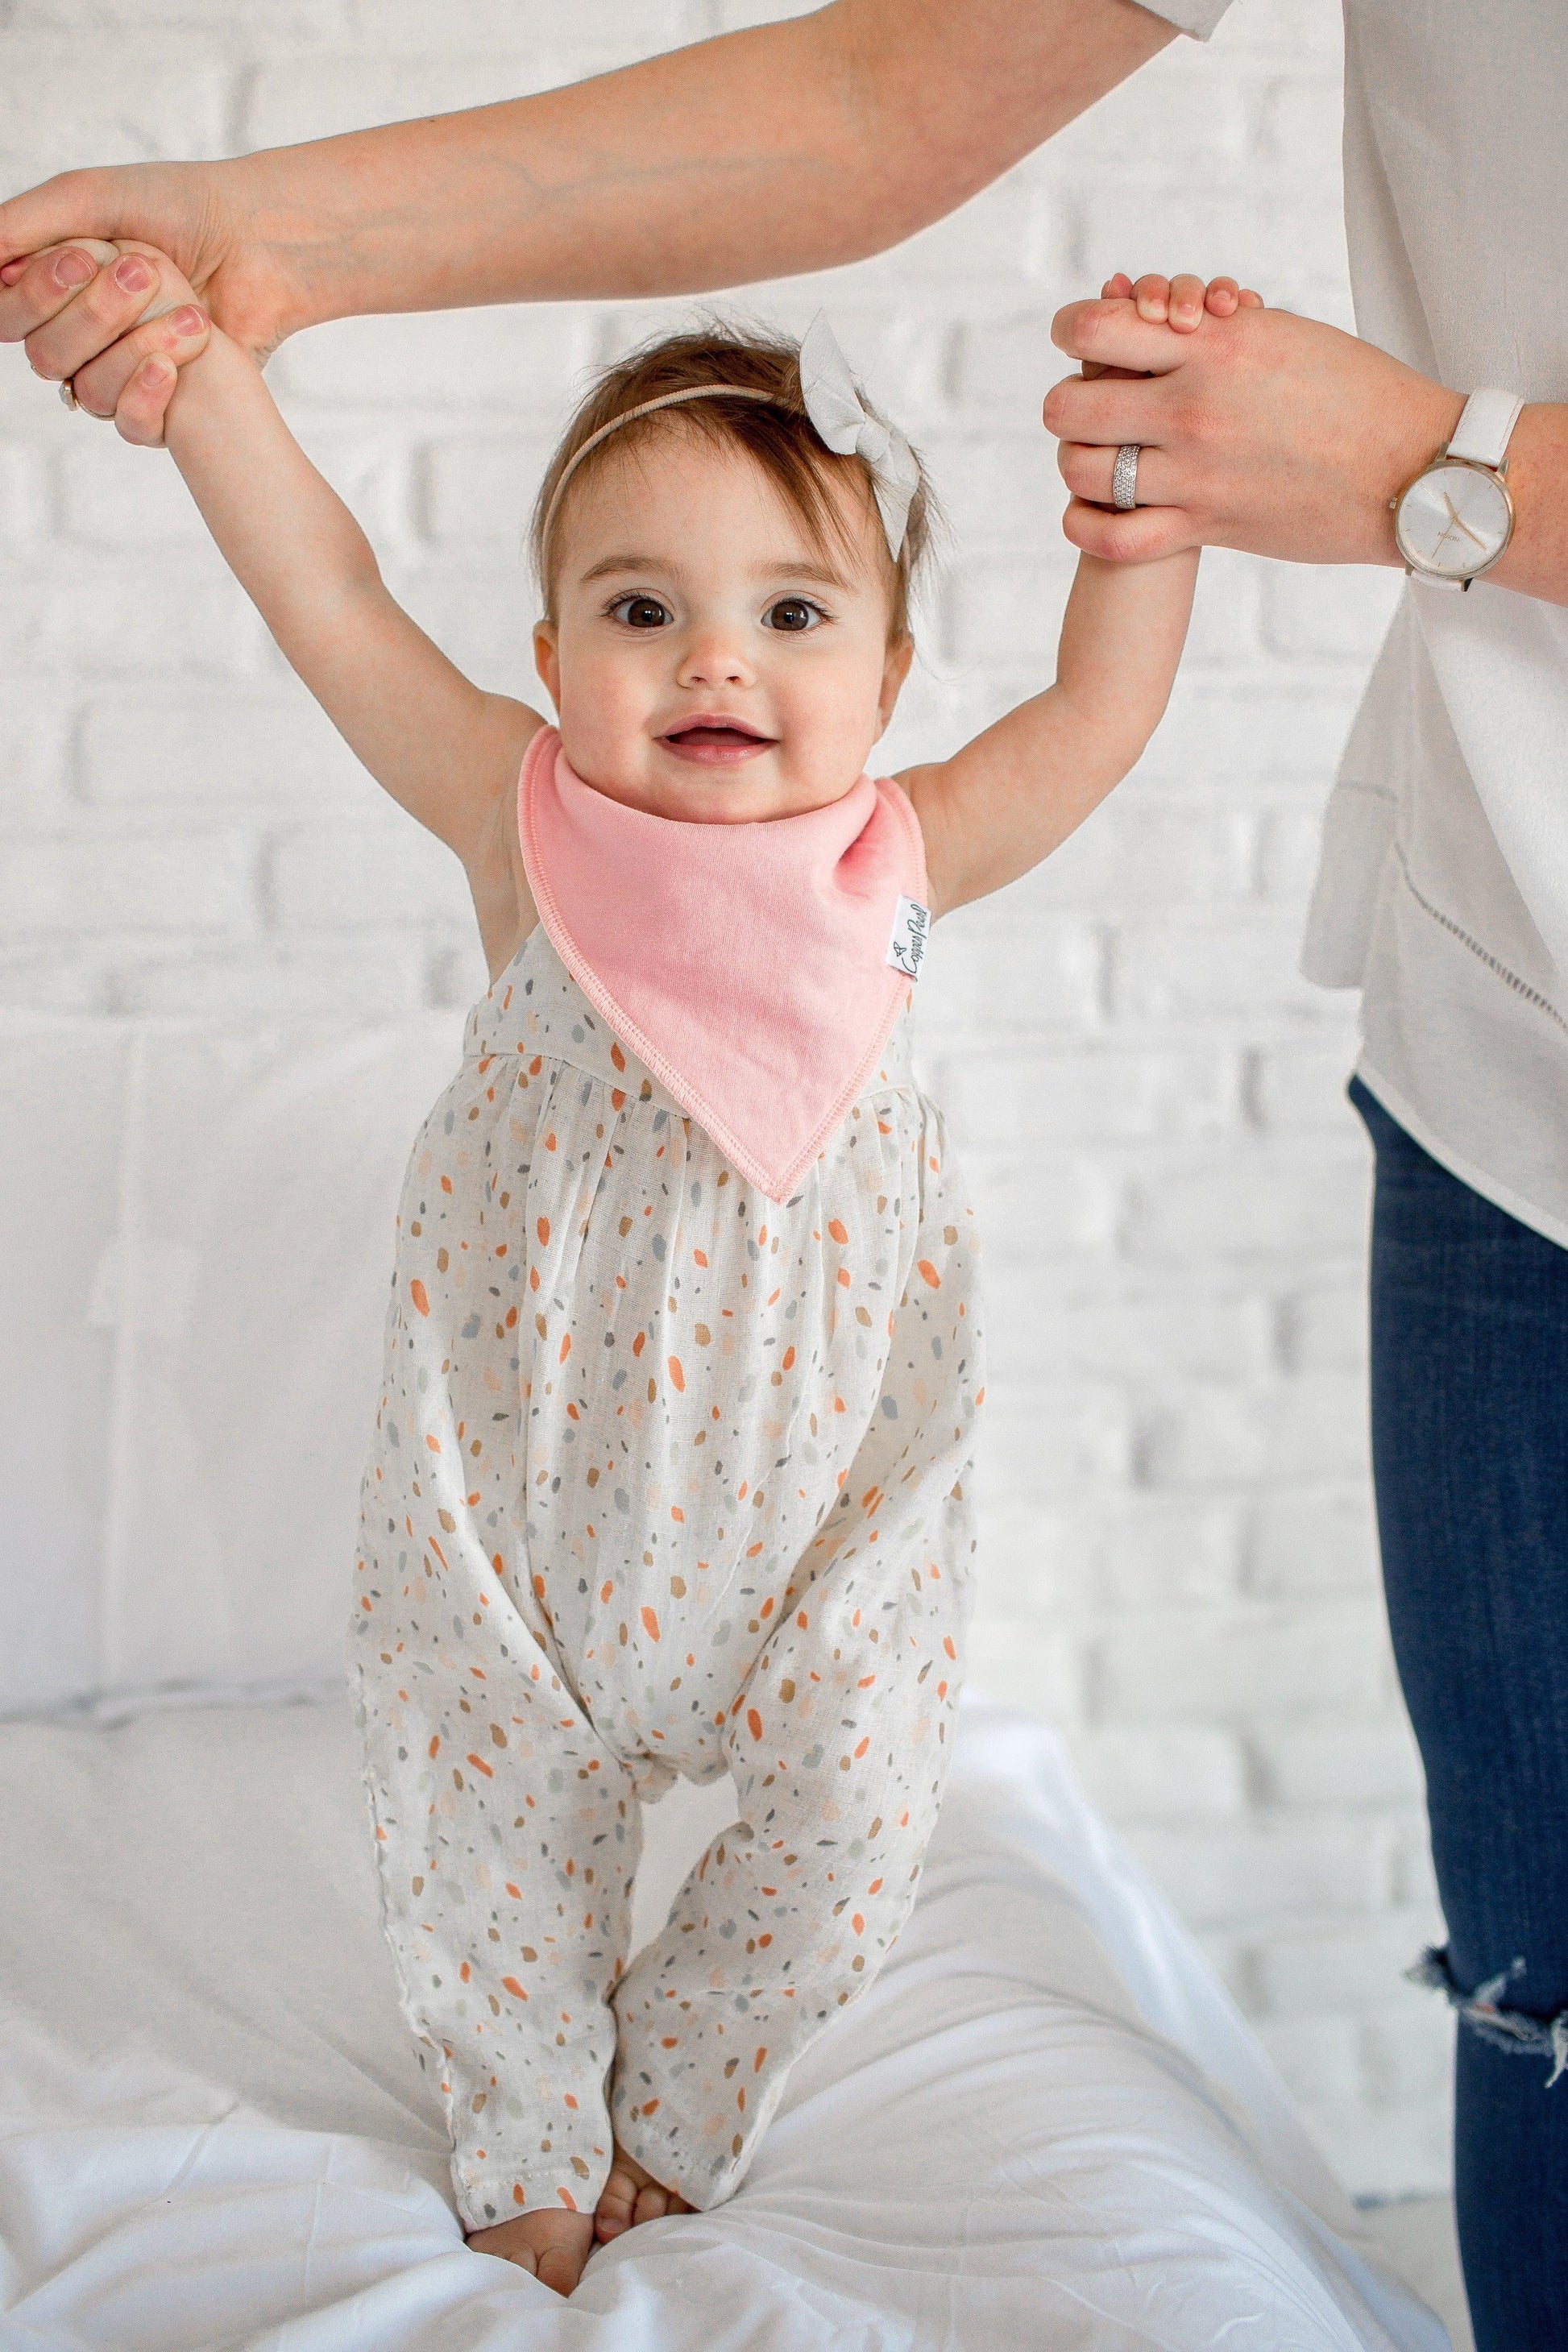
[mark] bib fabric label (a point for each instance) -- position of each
(906, 949)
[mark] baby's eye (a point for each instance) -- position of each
(793, 612)
(641, 612)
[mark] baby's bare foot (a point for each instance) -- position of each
(631, 2195)
(554, 2246)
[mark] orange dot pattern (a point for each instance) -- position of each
(667, 1478)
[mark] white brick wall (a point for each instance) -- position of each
(1178, 1565)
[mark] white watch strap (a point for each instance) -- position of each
(1486, 422)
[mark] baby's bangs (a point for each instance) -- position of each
(774, 441)
(786, 448)
(773, 430)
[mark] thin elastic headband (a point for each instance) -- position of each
(833, 406)
(644, 408)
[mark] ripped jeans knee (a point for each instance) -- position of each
(1487, 2015)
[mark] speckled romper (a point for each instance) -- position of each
(666, 1478)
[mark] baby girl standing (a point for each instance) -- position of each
(668, 1479)
(670, 1473)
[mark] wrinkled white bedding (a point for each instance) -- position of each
(1045, 2125)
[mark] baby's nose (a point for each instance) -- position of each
(716, 661)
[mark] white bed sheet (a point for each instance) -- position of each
(1045, 2127)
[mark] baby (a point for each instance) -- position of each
(671, 1471)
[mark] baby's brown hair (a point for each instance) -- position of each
(775, 431)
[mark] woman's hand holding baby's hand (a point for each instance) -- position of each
(1266, 432)
(62, 305)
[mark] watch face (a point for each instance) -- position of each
(1454, 520)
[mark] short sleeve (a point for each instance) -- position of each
(1197, 17)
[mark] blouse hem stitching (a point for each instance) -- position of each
(1509, 978)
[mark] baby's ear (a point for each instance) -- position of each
(895, 669)
(547, 659)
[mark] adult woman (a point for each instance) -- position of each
(1446, 884)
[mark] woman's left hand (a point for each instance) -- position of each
(1261, 430)
(90, 292)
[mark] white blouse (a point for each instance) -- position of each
(1443, 890)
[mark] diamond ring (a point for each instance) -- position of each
(67, 394)
(1124, 477)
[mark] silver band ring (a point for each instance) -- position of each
(67, 394)
(1124, 477)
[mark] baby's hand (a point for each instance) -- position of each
(1180, 302)
(137, 292)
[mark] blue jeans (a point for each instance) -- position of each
(1470, 1419)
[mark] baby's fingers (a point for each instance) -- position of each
(1224, 298)
(1186, 302)
(1180, 302)
(1176, 302)
(133, 381)
(1152, 293)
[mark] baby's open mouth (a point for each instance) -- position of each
(716, 741)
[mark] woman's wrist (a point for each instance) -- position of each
(1536, 562)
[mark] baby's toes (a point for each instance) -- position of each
(654, 2201)
(631, 2195)
(618, 2208)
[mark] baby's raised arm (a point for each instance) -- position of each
(1013, 795)
(447, 751)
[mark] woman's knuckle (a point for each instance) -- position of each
(1192, 416)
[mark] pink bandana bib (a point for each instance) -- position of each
(757, 970)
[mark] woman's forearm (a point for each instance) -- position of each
(783, 148)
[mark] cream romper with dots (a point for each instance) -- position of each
(666, 1478)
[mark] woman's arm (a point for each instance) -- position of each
(1278, 435)
(1013, 794)
(449, 753)
(785, 148)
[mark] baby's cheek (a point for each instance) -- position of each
(830, 723)
(605, 706)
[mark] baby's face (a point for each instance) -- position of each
(707, 662)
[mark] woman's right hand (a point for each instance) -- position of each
(63, 293)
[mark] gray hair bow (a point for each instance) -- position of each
(834, 405)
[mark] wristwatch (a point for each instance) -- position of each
(1455, 520)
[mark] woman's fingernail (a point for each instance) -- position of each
(188, 322)
(74, 269)
(153, 373)
(133, 275)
